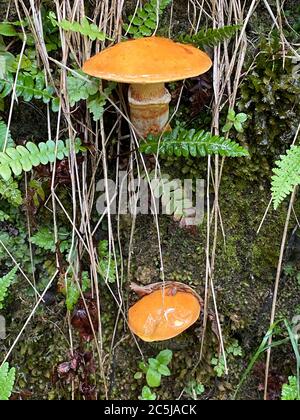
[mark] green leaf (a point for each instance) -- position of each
(231, 115)
(153, 378)
(3, 216)
(9, 191)
(73, 291)
(211, 37)
(186, 143)
(143, 366)
(26, 87)
(6, 29)
(5, 172)
(164, 370)
(147, 394)
(84, 27)
(24, 158)
(290, 390)
(146, 19)
(227, 127)
(138, 375)
(44, 238)
(238, 126)
(153, 363)
(96, 103)
(242, 118)
(7, 61)
(3, 132)
(7, 381)
(81, 88)
(165, 357)
(5, 283)
(286, 175)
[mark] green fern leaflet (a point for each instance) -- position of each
(5, 283)
(10, 192)
(84, 27)
(15, 160)
(145, 21)
(286, 175)
(211, 37)
(7, 381)
(186, 143)
(3, 131)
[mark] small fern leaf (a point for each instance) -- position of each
(3, 133)
(145, 21)
(84, 27)
(186, 143)
(286, 175)
(16, 160)
(5, 283)
(45, 239)
(10, 192)
(211, 37)
(81, 88)
(3, 216)
(7, 381)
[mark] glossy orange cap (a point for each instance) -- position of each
(163, 314)
(148, 60)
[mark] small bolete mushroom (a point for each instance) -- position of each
(147, 64)
(164, 311)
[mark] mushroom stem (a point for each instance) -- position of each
(149, 108)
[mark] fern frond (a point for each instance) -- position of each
(145, 21)
(186, 143)
(9, 190)
(286, 175)
(4, 216)
(5, 283)
(24, 158)
(7, 381)
(81, 88)
(27, 87)
(211, 37)
(290, 390)
(73, 292)
(84, 27)
(3, 131)
(96, 104)
(44, 238)
(88, 88)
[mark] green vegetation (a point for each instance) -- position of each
(7, 380)
(84, 27)
(154, 370)
(5, 283)
(286, 176)
(290, 390)
(235, 120)
(181, 142)
(146, 20)
(25, 158)
(232, 351)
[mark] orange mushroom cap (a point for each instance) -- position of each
(163, 314)
(148, 60)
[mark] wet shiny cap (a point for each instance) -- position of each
(163, 314)
(148, 60)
